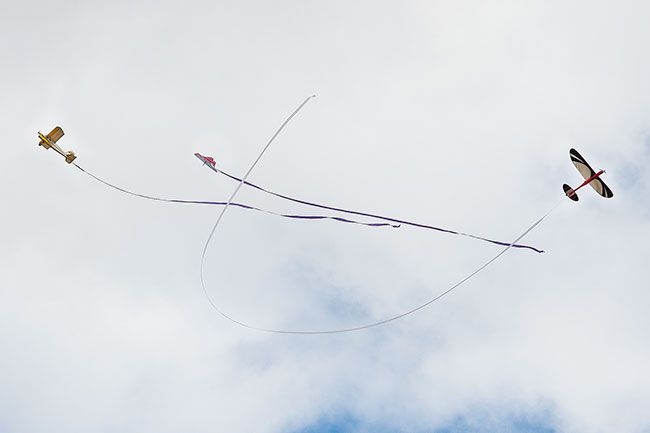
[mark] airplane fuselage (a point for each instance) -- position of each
(47, 144)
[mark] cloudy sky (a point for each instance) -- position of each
(454, 113)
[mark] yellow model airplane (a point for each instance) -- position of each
(50, 140)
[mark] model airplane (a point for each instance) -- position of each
(49, 141)
(591, 177)
(207, 160)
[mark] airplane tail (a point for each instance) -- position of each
(69, 157)
(570, 192)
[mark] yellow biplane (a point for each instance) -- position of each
(49, 141)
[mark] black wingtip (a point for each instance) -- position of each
(568, 191)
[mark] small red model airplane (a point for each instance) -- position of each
(207, 160)
(591, 177)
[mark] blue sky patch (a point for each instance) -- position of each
(484, 423)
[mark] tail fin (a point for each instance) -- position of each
(69, 157)
(570, 192)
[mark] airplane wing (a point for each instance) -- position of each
(55, 134)
(586, 171)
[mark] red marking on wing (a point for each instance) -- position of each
(206, 159)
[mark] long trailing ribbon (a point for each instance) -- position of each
(239, 205)
(242, 181)
(366, 214)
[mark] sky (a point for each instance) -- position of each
(458, 114)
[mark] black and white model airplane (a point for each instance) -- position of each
(591, 177)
